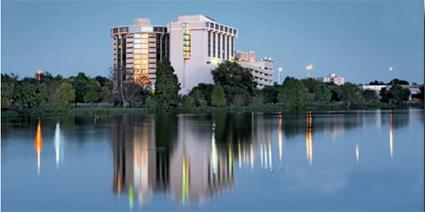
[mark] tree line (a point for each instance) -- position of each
(233, 86)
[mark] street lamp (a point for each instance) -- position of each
(278, 74)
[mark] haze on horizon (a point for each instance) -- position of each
(361, 41)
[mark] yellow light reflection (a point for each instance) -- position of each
(185, 180)
(38, 145)
(391, 135)
(279, 135)
(308, 138)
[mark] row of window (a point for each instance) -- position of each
(220, 27)
(222, 44)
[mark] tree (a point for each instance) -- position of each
(201, 94)
(234, 78)
(310, 84)
(270, 94)
(322, 93)
(351, 94)
(30, 94)
(64, 95)
(91, 97)
(369, 96)
(167, 86)
(336, 93)
(8, 84)
(398, 82)
(293, 93)
(385, 95)
(376, 82)
(399, 94)
(217, 96)
(187, 101)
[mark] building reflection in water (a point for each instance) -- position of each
(391, 135)
(199, 171)
(58, 143)
(138, 165)
(357, 153)
(279, 135)
(308, 138)
(192, 158)
(38, 143)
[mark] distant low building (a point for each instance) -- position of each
(332, 78)
(414, 89)
(261, 70)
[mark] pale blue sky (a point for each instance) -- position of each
(356, 39)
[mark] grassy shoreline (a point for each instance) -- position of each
(98, 111)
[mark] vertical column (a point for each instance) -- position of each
(218, 45)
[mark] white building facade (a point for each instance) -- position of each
(332, 77)
(197, 45)
(261, 70)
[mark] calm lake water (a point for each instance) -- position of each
(360, 160)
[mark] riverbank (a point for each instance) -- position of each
(100, 111)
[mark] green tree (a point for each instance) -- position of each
(270, 94)
(31, 94)
(217, 96)
(322, 93)
(201, 94)
(369, 96)
(236, 81)
(91, 97)
(399, 94)
(310, 84)
(167, 86)
(398, 82)
(293, 93)
(8, 84)
(336, 93)
(385, 95)
(64, 96)
(187, 101)
(351, 94)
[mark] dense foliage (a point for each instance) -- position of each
(238, 83)
(48, 92)
(167, 87)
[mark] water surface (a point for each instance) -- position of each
(359, 160)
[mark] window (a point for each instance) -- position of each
(222, 46)
(207, 24)
(209, 43)
(216, 26)
(221, 27)
(233, 46)
(214, 34)
(219, 45)
(227, 47)
(225, 29)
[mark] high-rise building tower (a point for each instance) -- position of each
(138, 48)
(198, 44)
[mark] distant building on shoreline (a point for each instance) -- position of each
(332, 78)
(414, 89)
(261, 70)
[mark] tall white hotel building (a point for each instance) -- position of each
(197, 44)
